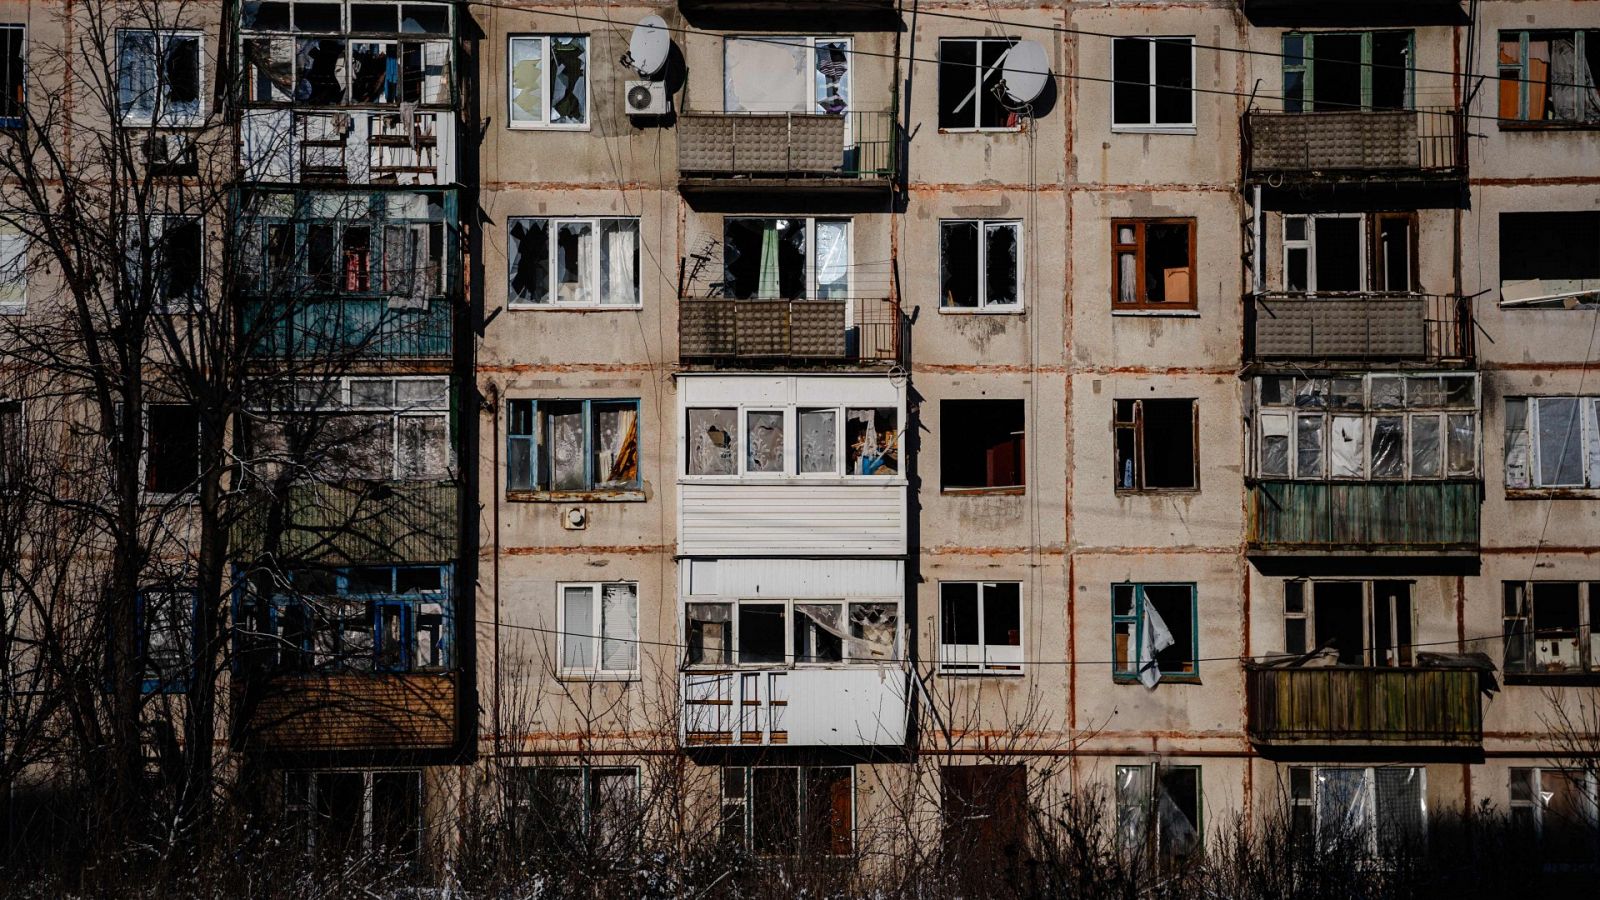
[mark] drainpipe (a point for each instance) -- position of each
(1255, 241)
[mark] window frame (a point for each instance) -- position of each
(1587, 780)
(1365, 235)
(1525, 443)
(1307, 70)
(813, 289)
(342, 404)
(984, 307)
(791, 454)
(546, 42)
(1520, 623)
(14, 272)
(1136, 425)
(593, 274)
(1313, 809)
(525, 794)
(535, 440)
(1152, 126)
(190, 491)
(319, 613)
(742, 801)
(1143, 305)
(1153, 828)
(1304, 590)
(160, 117)
(1130, 675)
(1523, 85)
(305, 808)
(20, 76)
(598, 671)
(1009, 663)
(184, 643)
(979, 73)
(13, 442)
(791, 660)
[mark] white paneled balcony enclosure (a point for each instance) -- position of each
(793, 652)
(791, 465)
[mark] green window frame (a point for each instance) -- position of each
(1299, 69)
(1127, 627)
(1518, 84)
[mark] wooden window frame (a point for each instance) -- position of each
(1136, 425)
(1305, 590)
(1307, 70)
(1513, 77)
(1520, 618)
(1137, 247)
(535, 439)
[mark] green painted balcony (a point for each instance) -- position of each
(1346, 706)
(1358, 518)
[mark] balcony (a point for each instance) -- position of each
(1307, 13)
(1362, 518)
(851, 154)
(370, 147)
(1360, 327)
(1341, 706)
(332, 329)
(862, 706)
(1422, 146)
(356, 522)
(867, 332)
(356, 712)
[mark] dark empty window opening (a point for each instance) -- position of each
(12, 449)
(344, 814)
(1153, 263)
(764, 258)
(1550, 255)
(1347, 70)
(1155, 445)
(1353, 623)
(982, 445)
(969, 73)
(1154, 83)
(172, 448)
(1139, 612)
(1550, 627)
(794, 811)
(1549, 77)
(980, 264)
(13, 71)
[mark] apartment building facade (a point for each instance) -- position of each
(772, 396)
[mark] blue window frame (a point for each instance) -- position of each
(165, 624)
(358, 619)
(1177, 608)
(563, 446)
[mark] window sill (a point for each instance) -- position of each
(1185, 313)
(981, 673)
(1012, 310)
(620, 677)
(636, 496)
(526, 126)
(1013, 130)
(1154, 129)
(575, 307)
(793, 480)
(1552, 679)
(180, 498)
(1572, 493)
(13, 309)
(1139, 492)
(1166, 678)
(1015, 491)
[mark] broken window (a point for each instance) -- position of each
(980, 627)
(982, 445)
(867, 444)
(1560, 810)
(1158, 811)
(1329, 253)
(1347, 70)
(345, 814)
(168, 250)
(1155, 445)
(801, 811)
(159, 77)
(713, 442)
(1552, 442)
(575, 808)
(573, 262)
(1356, 623)
(549, 81)
(1154, 264)
(775, 633)
(1550, 258)
(166, 639)
(984, 825)
(361, 619)
(980, 264)
(13, 270)
(572, 445)
(1380, 811)
(378, 429)
(1155, 624)
(1153, 83)
(871, 441)
(772, 74)
(969, 76)
(172, 448)
(599, 625)
(13, 450)
(21, 643)
(1549, 76)
(1367, 427)
(785, 259)
(13, 74)
(1551, 627)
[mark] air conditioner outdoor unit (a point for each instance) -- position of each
(647, 98)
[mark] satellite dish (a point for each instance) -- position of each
(1026, 71)
(649, 47)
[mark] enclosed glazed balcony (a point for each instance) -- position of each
(1355, 707)
(1338, 518)
(864, 706)
(829, 331)
(357, 521)
(1368, 327)
(1391, 145)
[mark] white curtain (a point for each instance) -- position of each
(1156, 638)
(619, 622)
(619, 262)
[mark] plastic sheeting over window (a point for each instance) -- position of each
(1378, 811)
(1371, 427)
(1158, 810)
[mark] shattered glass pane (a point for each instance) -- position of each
(1348, 440)
(530, 260)
(1311, 392)
(872, 631)
(568, 91)
(320, 63)
(616, 445)
(1276, 390)
(375, 70)
(561, 460)
(1275, 445)
(1308, 444)
(574, 257)
(765, 436)
(1461, 448)
(713, 439)
(958, 264)
(819, 429)
(1000, 264)
(872, 442)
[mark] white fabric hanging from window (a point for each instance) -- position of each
(1156, 638)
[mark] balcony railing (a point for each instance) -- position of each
(391, 712)
(858, 706)
(356, 522)
(837, 330)
(1342, 706)
(814, 150)
(1361, 326)
(1364, 517)
(355, 327)
(1401, 144)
